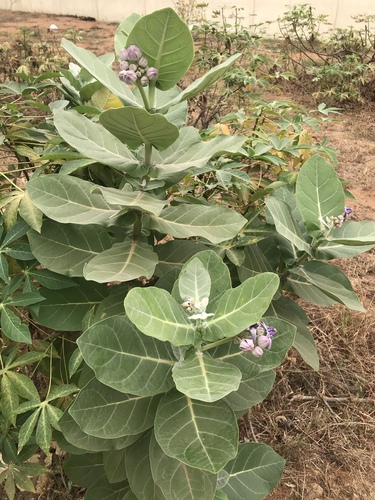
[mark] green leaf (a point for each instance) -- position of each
(43, 435)
(84, 470)
(125, 359)
(254, 472)
(155, 313)
(287, 309)
(349, 240)
(30, 213)
(69, 200)
(331, 281)
(202, 83)
(54, 415)
(136, 126)
(133, 199)
(16, 232)
(166, 43)
(4, 268)
(123, 262)
(285, 224)
(66, 248)
(249, 364)
(103, 412)
(82, 441)
(319, 193)
(178, 480)
(220, 495)
(9, 399)
(23, 481)
(174, 254)
(27, 359)
(252, 390)
(103, 490)
(206, 379)
(61, 391)
(123, 30)
(94, 141)
(19, 251)
(23, 385)
(201, 435)
(184, 221)
(13, 328)
(114, 465)
(51, 280)
(241, 307)
(101, 72)
(194, 281)
(10, 487)
(26, 429)
(65, 309)
(138, 470)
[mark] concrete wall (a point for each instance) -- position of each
(339, 11)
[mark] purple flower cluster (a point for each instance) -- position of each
(346, 213)
(261, 338)
(134, 66)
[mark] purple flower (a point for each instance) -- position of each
(134, 53)
(124, 65)
(123, 55)
(144, 81)
(247, 345)
(264, 341)
(128, 76)
(143, 63)
(347, 212)
(257, 352)
(152, 73)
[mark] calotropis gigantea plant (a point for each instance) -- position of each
(186, 337)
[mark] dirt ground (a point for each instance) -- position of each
(322, 423)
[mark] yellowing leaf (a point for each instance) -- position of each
(220, 128)
(105, 99)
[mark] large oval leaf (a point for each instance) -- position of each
(177, 480)
(103, 412)
(125, 359)
(254, 472)
(319, 193)
(252, 390)
(201, 435)
(66, 248)
(135, 127)
(206, 379)
(167, 44)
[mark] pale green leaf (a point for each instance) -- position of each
(133, 199)
(66, 248)
(174, 254)
(114, 465)
(23, 385)
(69, 199)
(194, 281)
(202, 83)
(285, 224)
(30, 213)
(201, 435)
(9, 399)
(51, 280)
(123, 30)
(166, 43)
(100, 71)
(65, 309)
(138, 470)
(95, 142)
(26, 429)
(103, 412)
(61, 391)
(125, 359)
(241, 307)
(184, 221)
(43, 435)
(252, 390)
(136, 126)
(254, 472)
(13, 328)
(319, 193)
(84, 470)
(103, 490)
(349, 240)
(331, 281)
(155, 313)
(54, 414)
(125, 261)
(255, 262)
(178, 480)
(206, 379)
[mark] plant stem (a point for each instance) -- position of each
(148, 153)
(143, 95)
(215, 344)
(151, 94)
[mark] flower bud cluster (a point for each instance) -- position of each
(261, 338)
(198, 308)
(333, 221)
(134, 66)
